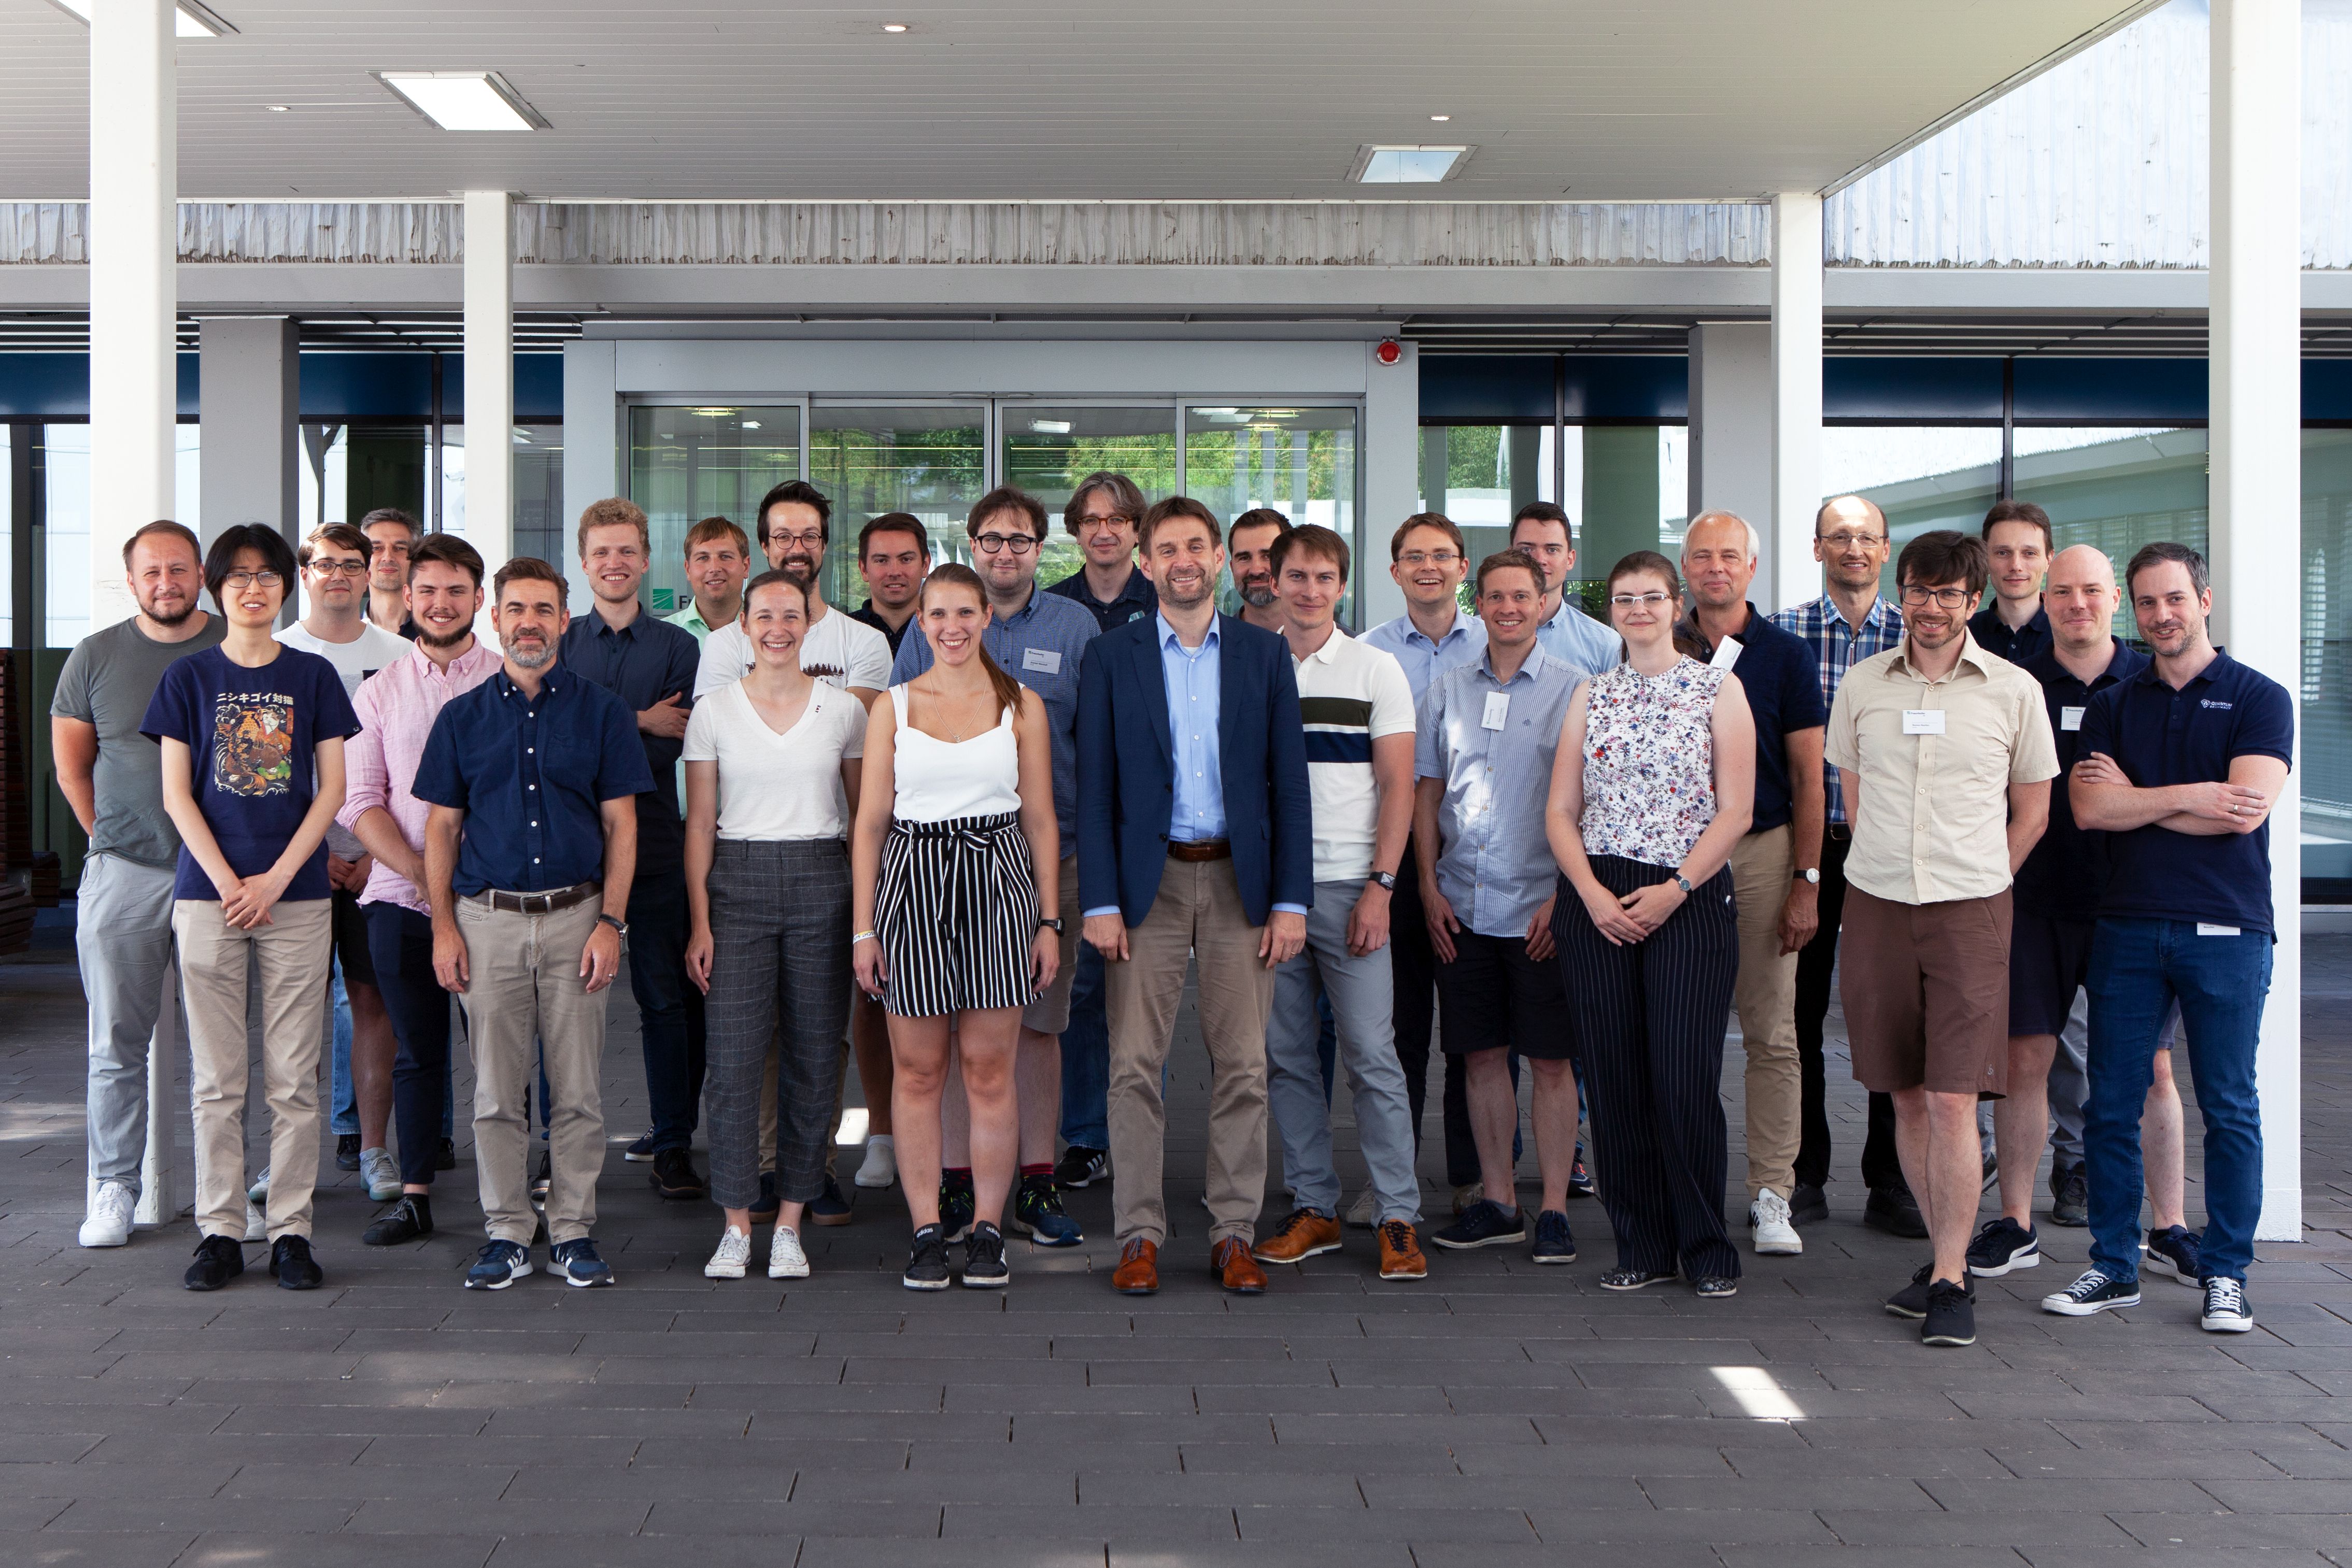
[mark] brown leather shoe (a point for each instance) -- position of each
(1137, 1273)
(1230, 1261)
(1401, 1256)
(1303, 1233)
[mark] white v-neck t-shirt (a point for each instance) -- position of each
(774, 785)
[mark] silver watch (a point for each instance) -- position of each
(1812, 873)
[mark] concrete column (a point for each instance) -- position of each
(1731, 438)
(592, 437)
(1796, 396)
(1390, 449)
(2257, 485)
(490, 376)
(134, 252)
(249, 372)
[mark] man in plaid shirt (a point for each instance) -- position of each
(1845, 625)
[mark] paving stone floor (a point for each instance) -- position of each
(1497, 1415)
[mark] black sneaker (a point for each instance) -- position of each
(1894, 1210)
(544, 1177)
(1081, 1166)
(2001, 1246)
(219, 1260)
(764, 1211)
(445, 1156)
(347, 1151)
(1808, 1205)
(1580, 1180)
(984, 1259)
(2226, 1310)
(406, 1220)
(1951, 1315)
(291, 1260)
(1635, 1279)
(1554, 1243)
(2093, 1293)
(829, 1207)
(2069, 1195)
(957, 1205)
(1484, 1224)
(641, 1151)
(674, 1177)
(1037, 1214)
(1911, 1301)
(927, 1260)
(2175, 1251)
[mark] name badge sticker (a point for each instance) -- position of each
(1045, 661)
(1923, 721)
(2070, 718)
(2205, 930)
(1726, 653)
(1498, 710)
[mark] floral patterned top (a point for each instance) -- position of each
(1649, 762)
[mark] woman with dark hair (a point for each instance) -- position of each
(955, 857)
(1651, 786)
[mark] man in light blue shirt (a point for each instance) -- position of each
(1542, 532)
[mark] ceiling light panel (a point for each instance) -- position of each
(189, 20)
(1407, 165)
(463, 100)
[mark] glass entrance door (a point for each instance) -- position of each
(928, 459)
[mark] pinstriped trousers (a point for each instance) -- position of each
(1651, 1017)
(779, 962)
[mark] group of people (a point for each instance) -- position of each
(1519, 834)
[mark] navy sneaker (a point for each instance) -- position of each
(1911, 1301)
(577, 1262)
(640, 1153)
(2002, 1247)
(2176, 1252)
(1554, 1243)
(291, 1260)
(1580, 1180)
(927, 1260)
(1809, 1205)
(1081, 1166)
(829, 1207)
(1484, 1224)
(763, 1212)
(957, 1205)
(498, 1265)
(1951, 1318)
(2093, 1293)
(347, 1151)
(219, 1260)
(1037, 1214)
(2226, 1309)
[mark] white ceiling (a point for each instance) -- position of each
(1215, 100)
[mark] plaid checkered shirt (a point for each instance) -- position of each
(1837, 648)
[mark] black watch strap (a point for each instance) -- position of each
(1387, 880)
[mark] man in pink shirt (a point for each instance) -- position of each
(396, 706)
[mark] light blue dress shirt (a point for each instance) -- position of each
(1575, 638)
(1424, 660)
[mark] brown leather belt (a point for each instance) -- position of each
(543, 902)
(1200, 851)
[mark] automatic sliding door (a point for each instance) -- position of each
(1048, 449)
(1300, 461)
(869, 459)
(689, 464)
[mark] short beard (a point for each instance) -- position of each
(163, 620)
(799, 569)
(1257, 596)
(537, 661)
(448, 638)
(1205, 592)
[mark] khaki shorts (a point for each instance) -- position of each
(1925, 989)
(1050, 1012)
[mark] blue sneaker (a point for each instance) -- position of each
(2176, 1252)
(1484, 1224)
(1554, 1243)
(959, 1204)
(498, 1265)
(1580, 1179)
(578, 1264)
(1037, 1214)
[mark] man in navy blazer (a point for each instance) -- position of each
(1195, 841)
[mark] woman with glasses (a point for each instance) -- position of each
(1651, 788)
(772, 777)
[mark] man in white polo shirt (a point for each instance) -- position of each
(1357, 709)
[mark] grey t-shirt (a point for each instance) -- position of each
(108, 682)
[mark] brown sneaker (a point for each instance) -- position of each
(1401, 1256)
(1302, 1234)
(1137, 1273)
(1231, 1263)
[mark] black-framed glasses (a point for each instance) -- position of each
(1949, 598)
(1019, 544)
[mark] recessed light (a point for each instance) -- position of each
(1440, 119)
(1407, 165)
(463, 100)
(751, 424)
(278, 108)
(1050, 426)
(189, 20)
(894, 27)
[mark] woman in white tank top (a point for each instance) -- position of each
(954, 856)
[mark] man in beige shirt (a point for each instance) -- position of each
(1944, 756)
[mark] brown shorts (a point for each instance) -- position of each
(1925, 989)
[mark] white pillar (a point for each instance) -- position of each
(1796, 394)
(1390, 454)
(490, 376)
(1731, 437)
(250, 375)
(133, 250)
(2257, 485)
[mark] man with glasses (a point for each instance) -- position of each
(1846, 625)
(391, 535)
(1943, 757)
(1102, 516)
(794, 525)
(1039, 640)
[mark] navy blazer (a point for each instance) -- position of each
(1127, 782)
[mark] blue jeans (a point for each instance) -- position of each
(2138, 969)
(1085, 1057)
(347, 1103)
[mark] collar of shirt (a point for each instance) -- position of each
(1461, 628)
(1169, 640)
(1329, 649)
(1971, 656)
(1689, 627)
(2122, 665)
(2153, 675)
(552, 680)
(1536, 658)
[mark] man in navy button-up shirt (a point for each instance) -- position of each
(532, 778)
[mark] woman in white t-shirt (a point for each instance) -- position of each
(771, 778)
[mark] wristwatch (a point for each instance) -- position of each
(1053, 924)
(1812, 873)
(1386, 879)
(1684, 883)
(619, 925)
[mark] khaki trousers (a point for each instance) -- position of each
(523, 986)
(1762, 866)
(1198, 915)
(291, 950)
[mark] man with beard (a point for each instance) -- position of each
(1542, 532)
(1250, 550)
(1945, 758)
(397, 707)
(795, 521)
(894, 556)
(529, 848)
(112, 776)
(392, 536)
(718, 559)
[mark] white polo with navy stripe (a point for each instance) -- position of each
(1349, 694)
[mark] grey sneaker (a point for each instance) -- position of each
(381, 1174)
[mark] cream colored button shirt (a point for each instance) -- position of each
(1933, 824)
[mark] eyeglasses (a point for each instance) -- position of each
(1650, 601)
(1420, 557)
(1949, 597)
(805, 541)
(338, 568)
(241, 581)
(1117, 519)
(1851, 541)
(1019, 544)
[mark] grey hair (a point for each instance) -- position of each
(1755, 540)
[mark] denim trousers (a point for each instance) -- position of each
(669, 1007)
(2138, 969)
(1085, 1057)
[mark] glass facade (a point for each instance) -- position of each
(1923, 476)
(689, 464)
(869, 459)
(1625, 486)
(1049, 448)
(2327, 653)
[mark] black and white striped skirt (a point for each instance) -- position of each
(956, 913)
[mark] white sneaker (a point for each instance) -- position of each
(259, 1191)
(381, 1174)
(1775, 1237)
(881, 1166)
(109, 1224)
(1364, 1214)
(734, 1252)
(786, 1259)
(256, 1224)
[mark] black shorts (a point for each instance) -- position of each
(1493, 995)
(2049, 961)
(351, 940)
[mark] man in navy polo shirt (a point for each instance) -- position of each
(2180, 767)
(2016, 624)
(1775, 867)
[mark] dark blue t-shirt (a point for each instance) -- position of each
(2158, 738)
(252, 735)
(1778, 671)
(2065, 875)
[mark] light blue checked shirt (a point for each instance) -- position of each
(1837, 648)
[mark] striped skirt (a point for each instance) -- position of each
(956, 913)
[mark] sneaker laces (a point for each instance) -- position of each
(2224, 1296)
(2089, 1285)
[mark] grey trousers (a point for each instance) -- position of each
(1362, 990)
(122, 936)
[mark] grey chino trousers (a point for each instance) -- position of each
(122, 936)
